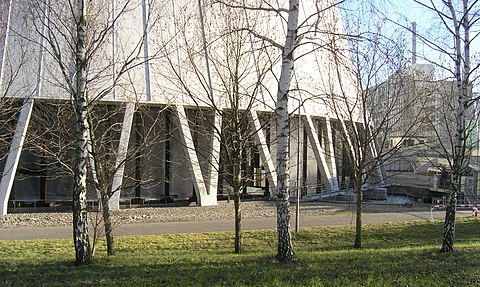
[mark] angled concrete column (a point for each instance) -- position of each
(114, 201)
(349, 140)
(14, 153)
(214, 155)
(204, 198)
(261, 140)
(381, 171)
(330, 150)
(320, 155)
(11, 164)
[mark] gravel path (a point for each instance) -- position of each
(224, 210)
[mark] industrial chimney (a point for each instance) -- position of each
(414, 43)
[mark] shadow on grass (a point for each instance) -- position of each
(397, 254)
(412, 267)
(406, 234)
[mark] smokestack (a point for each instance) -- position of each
(414, 43)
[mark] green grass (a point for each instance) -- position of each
(397, 254)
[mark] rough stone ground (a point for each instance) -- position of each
(224, 210)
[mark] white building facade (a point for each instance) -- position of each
(161, 75)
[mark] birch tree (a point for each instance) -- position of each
(285, 250)
(287, 43)
(448, 43)
(450, 39)
(459, 19)
(223, 75)
(76, 37)
(78, 91)
(108, 158)
(370, 104)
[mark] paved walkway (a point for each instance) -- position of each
(28, 233)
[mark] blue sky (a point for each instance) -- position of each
(392, 16)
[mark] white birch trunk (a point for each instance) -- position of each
(460, 161)
(80, 229)
(285, 246)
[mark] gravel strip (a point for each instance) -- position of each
(224, 210)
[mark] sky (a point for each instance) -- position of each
(393, 17)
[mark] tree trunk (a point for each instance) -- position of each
(80, 224)
(358, 221)
(107, 222)
(237, 177)
(79, 206)
(449, 223)
(285, 252)
(285, 246)
(238, 222)
(101, 189)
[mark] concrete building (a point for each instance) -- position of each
(422, 105)
(161, 73)
(423, 127)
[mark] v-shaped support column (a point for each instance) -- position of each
(320, 156)
(264, 151)
(205, 197)
(348, 138)
(330, 151)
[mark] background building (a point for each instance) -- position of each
(423, 122)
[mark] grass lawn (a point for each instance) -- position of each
(397, 254)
